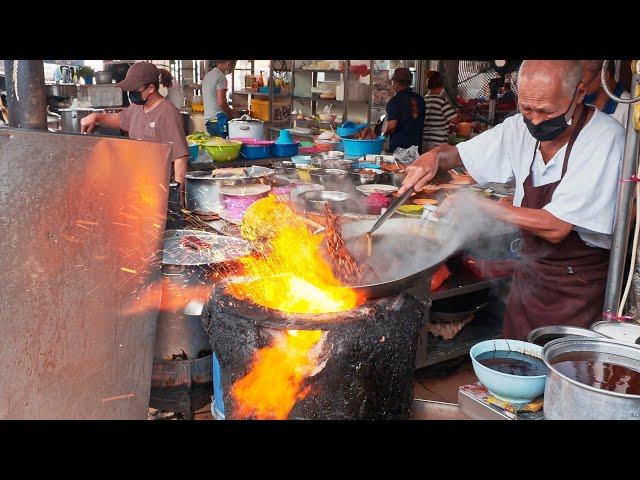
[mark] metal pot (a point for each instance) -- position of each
(201, 193)
(543, 335)
(568, 399)
(622, 331)
(71, 118)
(315, 200)
(103, 77)
(179, 329)
(246, 127)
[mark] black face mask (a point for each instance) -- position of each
(549, 129)
(136, 97)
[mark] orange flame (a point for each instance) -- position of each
(291, 275)
(273, 385)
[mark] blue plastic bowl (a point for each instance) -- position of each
(255, 152)
(362, 147)
(285, 149)
(506, 387)
(349, 128)
(193, 153)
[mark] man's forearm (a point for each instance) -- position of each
(448, 157)
(111, 120)
(540, 222)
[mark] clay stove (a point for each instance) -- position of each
(358, 363)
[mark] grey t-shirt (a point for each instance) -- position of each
(213, 81)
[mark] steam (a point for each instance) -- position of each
(405, 246)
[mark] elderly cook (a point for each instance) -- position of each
(565, 158)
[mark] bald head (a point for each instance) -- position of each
(548, 88)
(567, 73)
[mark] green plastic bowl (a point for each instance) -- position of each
(224, 153)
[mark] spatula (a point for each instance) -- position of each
(400, 199)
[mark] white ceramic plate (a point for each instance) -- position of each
(376, 188)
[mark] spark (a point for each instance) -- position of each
(82, 226)
(119, 397)
(162, 187)
(128, 270)
(86, 222)
(121, 224)
(156, 225)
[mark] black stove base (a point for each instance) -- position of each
(182, 386)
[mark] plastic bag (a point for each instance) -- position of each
(203, 156)
(406, 155)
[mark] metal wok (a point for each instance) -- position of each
(405, 251)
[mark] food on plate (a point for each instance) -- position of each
(376, 202)
(462, 180)
(391, 166)
(229, 172)
(194, 243)
(450, 186)
(413, 210)
(425, 201)
(431, 189)
(367, 171)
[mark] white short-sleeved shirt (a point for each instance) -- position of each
(213, 81)
(585, 197)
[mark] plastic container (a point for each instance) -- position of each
(256, 149)
(224, 153)
(193, 152)
(362, 147)
(284, 137)
(349, 128)
(285, 149)
(260, 109)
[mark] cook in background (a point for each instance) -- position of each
(405, 113)
(596, 95)
(217, 111)
(150, 115)
(565, 160)
(439, 114)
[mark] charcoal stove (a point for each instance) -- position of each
(365, 356)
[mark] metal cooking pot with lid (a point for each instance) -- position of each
(622, 331)
(187, 272)
(543, 335)
(246, 127)
(567, 399)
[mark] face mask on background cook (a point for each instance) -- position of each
(552, 128)
(136, 97)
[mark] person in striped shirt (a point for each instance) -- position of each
(439, 114)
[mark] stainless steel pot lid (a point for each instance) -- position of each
(543, 335)
(623, 331)
(219, 249)
(254, 171)
(246, 118)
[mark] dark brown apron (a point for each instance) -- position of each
(554, 284)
